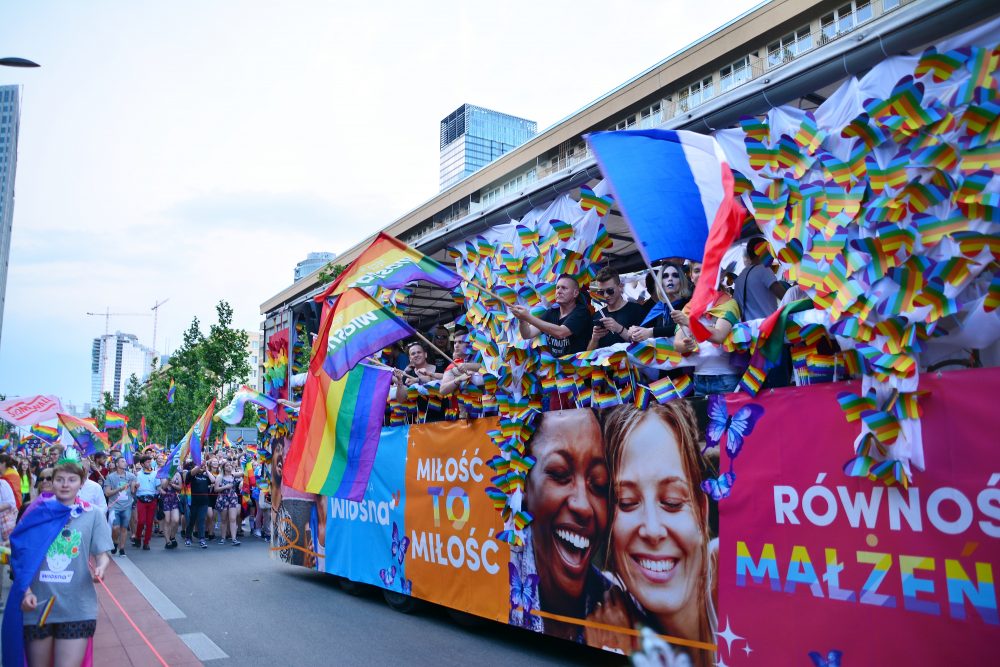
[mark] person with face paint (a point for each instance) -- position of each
(566, 492)
(660, 550)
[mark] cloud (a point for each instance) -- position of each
(266, 211)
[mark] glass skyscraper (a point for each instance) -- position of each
(10, 113)
(472, 137)
(113, 359)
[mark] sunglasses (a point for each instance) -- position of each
(610, 291)
(44, 479)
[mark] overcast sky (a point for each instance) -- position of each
(197, 150)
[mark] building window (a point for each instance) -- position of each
(733, 75)
(788, 47)
(697, 93)
(845, 18)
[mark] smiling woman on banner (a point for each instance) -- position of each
(567, 493)
(660, 550)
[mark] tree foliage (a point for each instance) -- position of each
(202, 368)
(329, 273)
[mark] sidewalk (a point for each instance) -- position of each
(119, 644)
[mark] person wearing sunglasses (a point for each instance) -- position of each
(615, 314)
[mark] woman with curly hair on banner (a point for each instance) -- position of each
(660, 550)
(567, 493)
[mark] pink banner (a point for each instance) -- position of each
(29, 410)
(815, 561)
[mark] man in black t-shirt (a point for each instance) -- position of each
(618, 313)
(566, 326)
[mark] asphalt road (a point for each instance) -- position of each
(262, 612)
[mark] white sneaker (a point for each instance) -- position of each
(256, 533)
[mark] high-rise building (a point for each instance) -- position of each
(10, 114)
(313, 261)
(114, 358)
(253, 357)
(472, 137)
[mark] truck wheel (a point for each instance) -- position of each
(352, 587)
(466, 620)
(404, 604)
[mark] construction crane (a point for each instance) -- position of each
(156, 313)
(107, 315)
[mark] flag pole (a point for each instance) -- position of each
(433, 346)
(479, 287)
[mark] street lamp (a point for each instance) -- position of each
(18, 62)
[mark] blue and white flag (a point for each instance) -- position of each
(671, 187)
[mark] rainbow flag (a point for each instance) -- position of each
(232, 414)
(170, 391)
(190, 444)
(114, 420)
(143, 433)
(47, 433)
(87, 437)
(352, 327)
(126, 445)
(390, 263)
(337, 436)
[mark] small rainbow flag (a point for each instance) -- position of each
(337, 436)
(47, 433)
(233, 413)
(589, 200)
(87, 437)
(114, 420)
(170, 391)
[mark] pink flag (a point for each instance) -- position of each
(29, 410)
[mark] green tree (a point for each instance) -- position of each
(329, 273)
(202, 368)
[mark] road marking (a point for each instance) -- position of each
(156, 598)
(203, 647)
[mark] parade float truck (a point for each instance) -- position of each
(850, 518)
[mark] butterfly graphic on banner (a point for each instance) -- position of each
(523, 591)
(399, 544)
(832, 658)
(397, 551)
(733, 430)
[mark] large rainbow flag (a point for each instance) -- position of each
(390, 263)
(85, 434)
(337, 436)
(354, 326)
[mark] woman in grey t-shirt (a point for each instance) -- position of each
(66, 577)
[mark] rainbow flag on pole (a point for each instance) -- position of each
(232, 414)
(337, 436)
(390, 263)
(354, 326)
(87, 437)
(46, 433)
(190, 444)
(170, 391)
(114, 420)
(143, 433)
